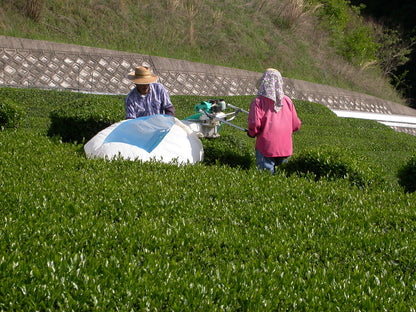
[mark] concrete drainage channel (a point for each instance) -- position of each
(393, 121)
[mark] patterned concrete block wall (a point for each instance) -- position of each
(44, 64)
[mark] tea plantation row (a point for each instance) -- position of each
(334, 230)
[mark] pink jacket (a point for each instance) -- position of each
(273, 130)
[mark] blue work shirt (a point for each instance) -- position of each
(156, 101)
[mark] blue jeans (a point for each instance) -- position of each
(269, 163)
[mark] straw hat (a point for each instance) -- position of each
(142, 75)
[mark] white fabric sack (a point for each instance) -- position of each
(158, 137)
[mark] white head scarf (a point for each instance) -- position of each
(271, 87)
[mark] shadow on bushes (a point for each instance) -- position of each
(80, 120)
(407, 175)
(75, 130)
(227, 150)
(330, 163)
(11, 114)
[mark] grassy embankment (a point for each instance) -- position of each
(285, 34)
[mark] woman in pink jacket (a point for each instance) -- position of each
(272, 120)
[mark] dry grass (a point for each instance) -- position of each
(33, 9)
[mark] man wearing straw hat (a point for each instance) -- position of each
(148, 97)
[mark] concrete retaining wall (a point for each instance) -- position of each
(43, 64)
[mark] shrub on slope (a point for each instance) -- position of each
(10, 114)
(407, 175)
(81, 119)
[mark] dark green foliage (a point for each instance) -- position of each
(332, 163)
(227, 150)
(407, 175)
(11, 114)
(81, 119)
(350, 34)
(376, 146)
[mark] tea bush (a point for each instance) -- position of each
(87, 234)
(81, 234)
(11, 114)
(332, 163)
(407, 175)
(227, 150)
(82, 118)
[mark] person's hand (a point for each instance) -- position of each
(248, 134)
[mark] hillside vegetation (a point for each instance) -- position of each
(319, 41)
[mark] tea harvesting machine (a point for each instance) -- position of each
(209, 117)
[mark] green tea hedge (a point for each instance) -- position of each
(11, 114)
(83, 118)
(228, 150)
(332, 163)
(82, 234)
(407, 175)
